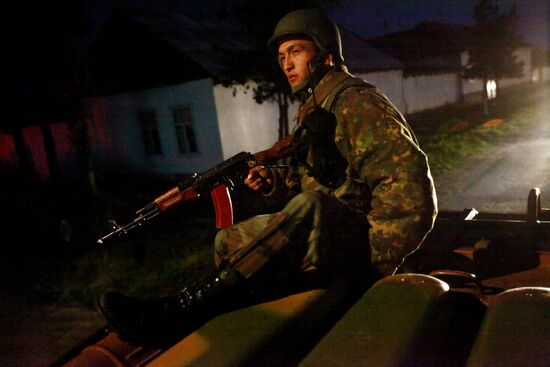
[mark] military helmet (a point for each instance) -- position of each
(314, 24)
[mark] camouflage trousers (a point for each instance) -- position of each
(314, 230)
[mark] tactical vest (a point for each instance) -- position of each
(342, 80)
(314, 146)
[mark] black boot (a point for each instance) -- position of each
(161, 322)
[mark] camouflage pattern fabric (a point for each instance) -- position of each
(298, 238)
(388, 198)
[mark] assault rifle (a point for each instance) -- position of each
(217, 181)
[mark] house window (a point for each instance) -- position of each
(151, 137)
(185, 133)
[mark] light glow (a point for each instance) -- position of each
(491, 89)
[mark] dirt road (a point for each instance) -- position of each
(36, 334)
(500, 178)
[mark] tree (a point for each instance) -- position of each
(494, 41)
(258, 19)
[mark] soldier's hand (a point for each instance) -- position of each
(258, 178)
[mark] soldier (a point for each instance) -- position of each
(359, 190)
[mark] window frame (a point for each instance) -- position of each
(184, 129)
(150, 132)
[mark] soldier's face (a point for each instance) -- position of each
(294, 56)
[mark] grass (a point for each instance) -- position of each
(450, 135)
(175, 249)
(158, 258)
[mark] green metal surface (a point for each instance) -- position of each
(267, 334)
(384, 327)
(515, 330)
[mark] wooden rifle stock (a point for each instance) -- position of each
(280, 150)
(217, 180)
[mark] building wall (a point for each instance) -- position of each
(391, 84)
(472, 86)
(64, 148)
(32, 136)
(8, 157)
(117, 134)
(244, 124)
(418, 92)
(34, 148)
(33, 141)
(423, 92)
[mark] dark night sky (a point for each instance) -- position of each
(375, 17)
(35, 24)
(371, 18)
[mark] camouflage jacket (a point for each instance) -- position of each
(388, 178)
